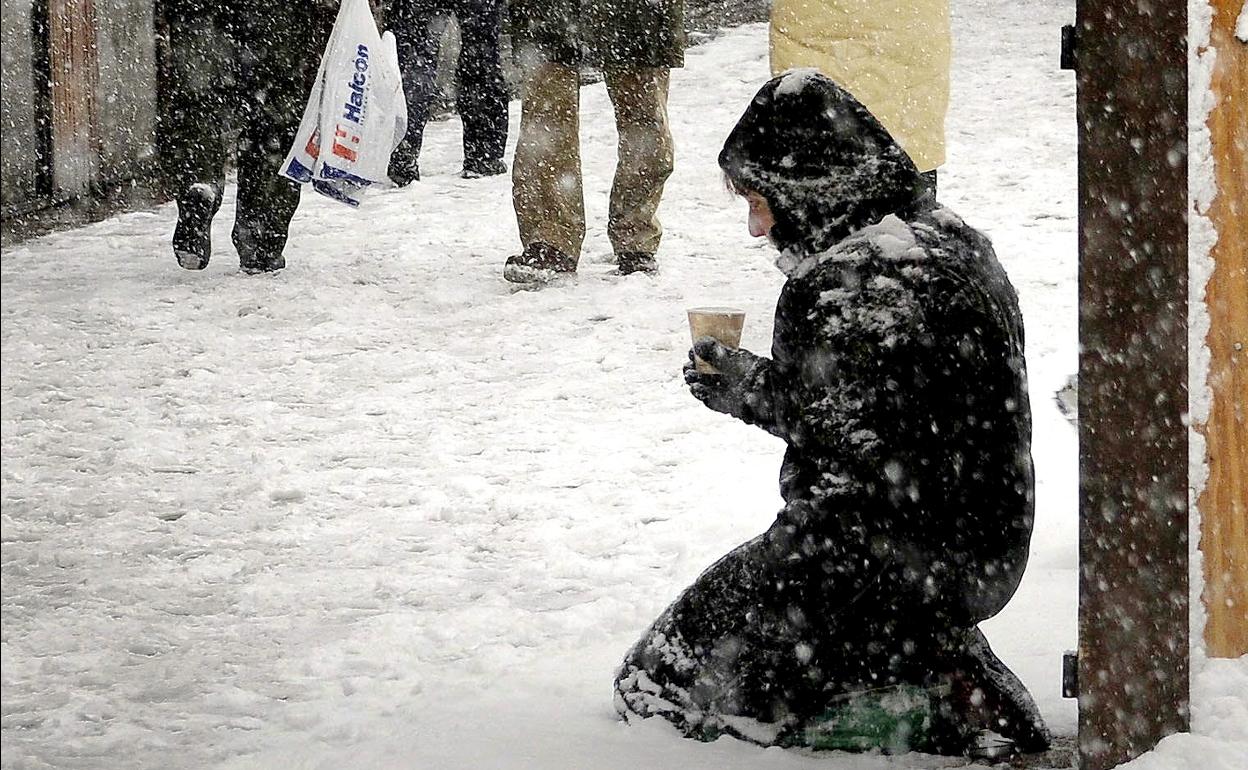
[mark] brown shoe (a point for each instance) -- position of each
(636, 262)
(539, 263)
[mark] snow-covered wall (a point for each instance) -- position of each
(125, 94)
(17, 106)
(1202, 235)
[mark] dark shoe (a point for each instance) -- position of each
(403, 169)
(192, 237)
(988, 745)
(259, 247)
(267, 263)
(988, 704)
(475, 169)
(636, 262)
(539, 263)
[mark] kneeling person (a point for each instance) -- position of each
(898, 382)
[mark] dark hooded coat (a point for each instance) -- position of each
(897, 380)
(623, 34)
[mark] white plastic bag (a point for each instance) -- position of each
(355, 115)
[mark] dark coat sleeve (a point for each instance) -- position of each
(895, 384)
(850, 342)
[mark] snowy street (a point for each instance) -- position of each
(379, 510)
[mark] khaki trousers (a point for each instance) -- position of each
(546, 175)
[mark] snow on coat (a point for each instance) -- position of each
(893, 55)
(898, 382)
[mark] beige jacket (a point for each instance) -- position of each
(893, 55)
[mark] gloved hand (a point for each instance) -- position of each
(724, 390)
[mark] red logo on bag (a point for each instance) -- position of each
(343, 150)
(313, 148)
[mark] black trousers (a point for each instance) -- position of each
(929, 179)
(247, 65)
(482, 92)
(776, 628)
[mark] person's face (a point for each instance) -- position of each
(760, 219)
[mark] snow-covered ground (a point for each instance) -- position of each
(380, 511)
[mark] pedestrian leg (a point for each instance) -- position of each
(546, 179)
(418, 46)
(644, 164)
(281, 50)
(192, 145)
(482, 95)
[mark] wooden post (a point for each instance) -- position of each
(1133, 662)
(75, 145)
(1224, 502)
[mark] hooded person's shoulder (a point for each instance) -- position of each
(966, 262)
(900, 279)
(890, 247)
(871, 287)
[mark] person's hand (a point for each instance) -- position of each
(723, 390)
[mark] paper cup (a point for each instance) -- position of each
(722, 323)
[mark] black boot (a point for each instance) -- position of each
(404, 167)
(629, 262)
(262, 263)
(475, 169)
(192, 236)
(258, 251)
(986, 697)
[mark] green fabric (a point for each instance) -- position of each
(893, 719)
(605, 33)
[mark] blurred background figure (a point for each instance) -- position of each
(245, 66)
(481, 96)
(892, 55)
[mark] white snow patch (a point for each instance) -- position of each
(795, 80)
